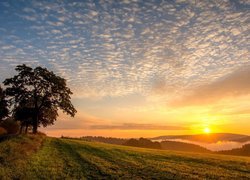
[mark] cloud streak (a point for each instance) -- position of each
(232, 85)
(135, 126)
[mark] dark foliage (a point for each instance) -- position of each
(181, 146)
(10, 126)
(2, 131)
(24, 115)
(3, 105)
(142, 142)
(40, 92)
(108, 140)
(243, 151)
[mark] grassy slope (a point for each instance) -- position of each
(73, 159)
(14, 154)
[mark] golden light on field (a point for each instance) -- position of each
(207, 130)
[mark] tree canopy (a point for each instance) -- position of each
(41, 93)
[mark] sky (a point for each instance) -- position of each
(137, 68)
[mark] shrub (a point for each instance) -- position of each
(11, 126)
(2, 131)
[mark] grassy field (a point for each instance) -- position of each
(75, 159)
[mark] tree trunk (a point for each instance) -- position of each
(36, 113)
(21, 129)
(26, 128)
(35, 123)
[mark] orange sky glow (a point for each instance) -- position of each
(137, 68)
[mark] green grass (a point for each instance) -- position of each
(14, 154)
(75, 159)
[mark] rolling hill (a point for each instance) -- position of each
(181, 146)
(207, 138)
(36, 157)
(166, 145)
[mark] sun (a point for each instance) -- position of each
(207, 130)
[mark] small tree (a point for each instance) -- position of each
(42, 91)
(24, 115)
(3, 105)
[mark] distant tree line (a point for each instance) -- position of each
(142, 142)
(108, 140)
(147, 143)
(32, 98)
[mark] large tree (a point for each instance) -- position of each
(40, 91)
(3, 105)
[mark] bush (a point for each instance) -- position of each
(11, 126)
(2, 131)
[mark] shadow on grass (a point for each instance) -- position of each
(89, 170)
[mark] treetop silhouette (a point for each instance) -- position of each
(39, 92)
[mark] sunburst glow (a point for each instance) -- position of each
(207, 130)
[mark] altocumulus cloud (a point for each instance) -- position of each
(115, 48)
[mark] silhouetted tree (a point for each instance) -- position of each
(40, 90)
(3, 105)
